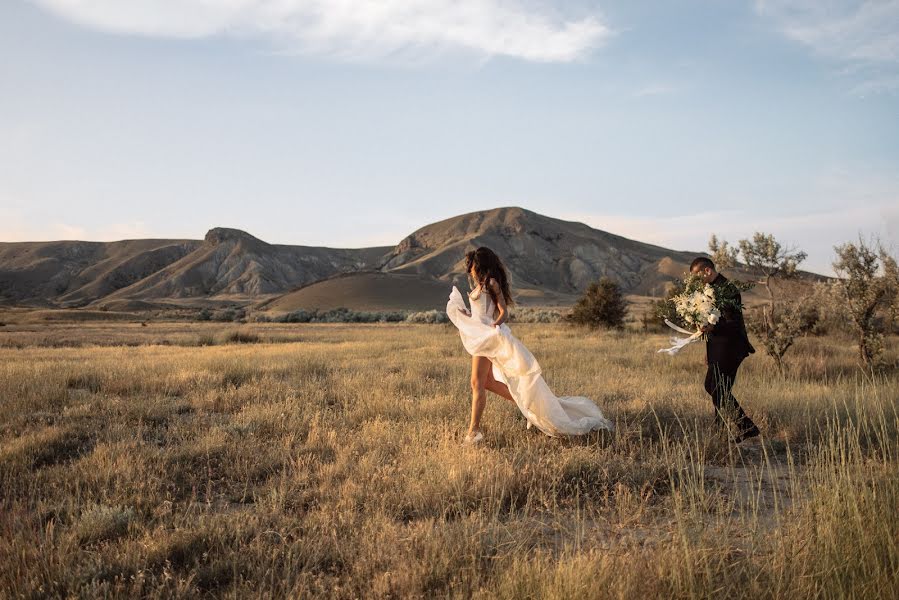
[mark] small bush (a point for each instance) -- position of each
(242, 337)
(101, 523)
(536, 315)
(428, 316)
(810, 318)
(650, 320)
(778, 330)
(204, 314)
(205, 340)
(224, 316)
(602, 305)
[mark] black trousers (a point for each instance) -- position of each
(719, 383)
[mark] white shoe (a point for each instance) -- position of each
(471, 440)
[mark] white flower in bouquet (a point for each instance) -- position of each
(698, 305)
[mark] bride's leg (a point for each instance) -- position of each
(498, 387)
(480, 369)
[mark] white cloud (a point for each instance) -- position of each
(864, 34)
(404, 30)
(846, 29)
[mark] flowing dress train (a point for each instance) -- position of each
(514, 365)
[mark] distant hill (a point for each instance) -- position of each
(78, 273)
(550, 262)
(142, 274)
(234, 264)
(547, 258)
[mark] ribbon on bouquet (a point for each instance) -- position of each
(679, 343)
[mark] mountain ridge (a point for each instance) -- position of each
(550, 261)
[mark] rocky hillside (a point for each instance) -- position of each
(551, 261)
(233, 263)
(543, 254)
(77, 273)
(228, 264)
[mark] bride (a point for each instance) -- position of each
(501, 363)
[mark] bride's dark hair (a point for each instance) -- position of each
(487, 265)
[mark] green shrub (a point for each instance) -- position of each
(242, 337)
(602, 305)
(428, 316)
(536, 315)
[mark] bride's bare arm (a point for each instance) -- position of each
(502, 311)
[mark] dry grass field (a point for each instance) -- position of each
(169, 461)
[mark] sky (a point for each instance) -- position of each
(351, 123)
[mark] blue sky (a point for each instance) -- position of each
(351, 123)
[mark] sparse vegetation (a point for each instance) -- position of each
(428, 316)
(102, 523)
(523, 314)
(864, 290)
(602, 305)
(780, 322)
(891, 288)
(240, 336)
(337, 315)
(333, 468)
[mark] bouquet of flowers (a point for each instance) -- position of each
(699, 304)
(696, 304)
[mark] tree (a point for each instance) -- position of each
(779, 331)
(602, 305)
(781, 321)
(857, 267)
(891, 282)
(827, 299)
(723, 254)
(769, 259)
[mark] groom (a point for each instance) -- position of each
(726, 348)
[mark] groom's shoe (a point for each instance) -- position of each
(748, 433)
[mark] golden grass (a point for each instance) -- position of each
(325, 460)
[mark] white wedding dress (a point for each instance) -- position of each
(514, 365)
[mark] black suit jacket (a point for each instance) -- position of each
(728, 343)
